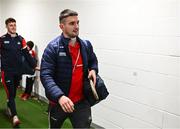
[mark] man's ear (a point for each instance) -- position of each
(61, 26)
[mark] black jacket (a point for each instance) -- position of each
(56, 66)
(11, 54)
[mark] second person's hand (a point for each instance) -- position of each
(66, 104)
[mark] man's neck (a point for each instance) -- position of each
(73, 41)
(12, 35)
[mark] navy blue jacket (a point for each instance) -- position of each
(56, 66)
(11, 54)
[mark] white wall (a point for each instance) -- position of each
(1, 17)
(137, 44)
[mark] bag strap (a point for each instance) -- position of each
(77, 58)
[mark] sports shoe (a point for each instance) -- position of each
(25, 97)
(15, 121)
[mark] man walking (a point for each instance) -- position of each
(12, 46)
(65, 65)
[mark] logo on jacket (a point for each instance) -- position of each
(62, 54)
(8, 81)
(19, 43)
(61, 46)
(6, 42)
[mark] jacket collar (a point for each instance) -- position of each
(8, 35)
(65, 40)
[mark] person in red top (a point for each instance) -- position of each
(76, 92)
(30, 77)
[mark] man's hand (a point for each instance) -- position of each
(66, 104)
(92, 75)
(37, 68)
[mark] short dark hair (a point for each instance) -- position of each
(30, 44)
(66, 13)
(9, 20)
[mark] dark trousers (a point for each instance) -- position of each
(29, 85)
(10, 82)
(80, 118)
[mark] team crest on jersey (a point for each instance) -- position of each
(62, 54)
(6, 42)
(8, 81)
(61, 46)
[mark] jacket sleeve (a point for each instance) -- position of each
(47, 74)
(92, 59)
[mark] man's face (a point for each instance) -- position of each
(11, 27)
(70, 26)
(28, 48)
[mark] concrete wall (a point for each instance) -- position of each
(137, 44)
(1, 17)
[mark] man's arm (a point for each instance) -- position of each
(47, 73)
(92, 59)
(92, 63)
